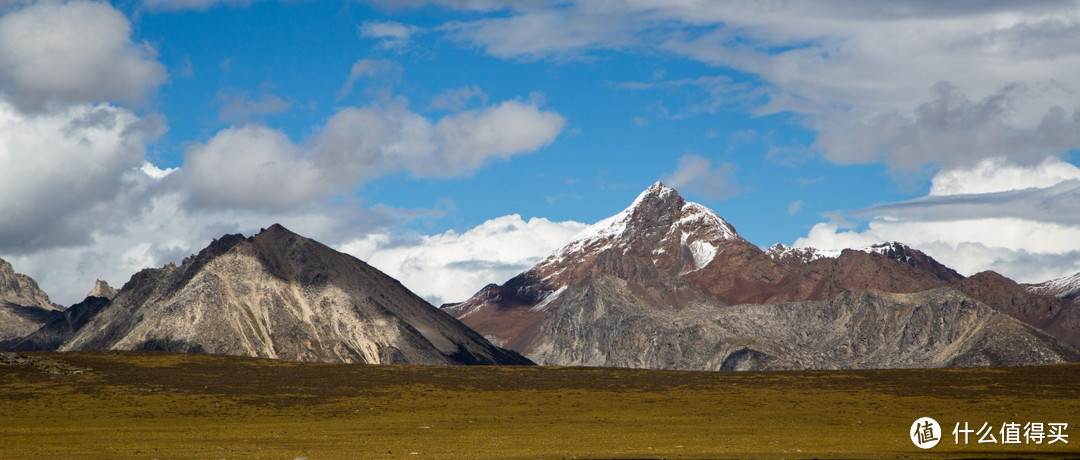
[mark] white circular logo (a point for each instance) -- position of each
(925, 432)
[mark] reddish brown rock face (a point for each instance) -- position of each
(744, 274)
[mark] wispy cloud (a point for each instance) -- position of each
(389, 34)
(196, 5)
(458, 98)
(370, 68)
(240, 107)
(696, 175)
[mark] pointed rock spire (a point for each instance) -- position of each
(103, 290)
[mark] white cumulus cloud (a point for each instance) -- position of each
(58, 170)
(452, 266)
(55, 53)
(251, 166)
(469, 138)
(256, 166)
(1000, 175)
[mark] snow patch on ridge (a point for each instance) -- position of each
(1060, 287)
(694, 214)
(780, 251)
(608, 230)
(702, 252)
(548, 299)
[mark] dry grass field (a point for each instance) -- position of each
(155, 405)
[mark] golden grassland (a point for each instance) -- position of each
(157, 405)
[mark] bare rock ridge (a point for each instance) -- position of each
(669, 284)
(24, 307)
(273, 295)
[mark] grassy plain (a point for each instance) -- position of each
(156, 405)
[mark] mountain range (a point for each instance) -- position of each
(273, 295)
(666, 283)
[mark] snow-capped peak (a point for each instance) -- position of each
(657, 189)
(658, 222)
(615, 226)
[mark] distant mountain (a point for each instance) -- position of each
(274, 295)
(1066, 288)
(64, 324)
(628, 290)
(24, 307)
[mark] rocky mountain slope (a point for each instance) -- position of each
(653, 272)
(23, 306)
(274, 295)
(856, 329)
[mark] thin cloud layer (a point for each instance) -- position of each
(950, 130)
(909, 84)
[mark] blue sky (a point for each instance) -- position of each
(619, 136)
(453, 143)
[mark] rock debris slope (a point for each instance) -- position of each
(669, 284)
(277, 295)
